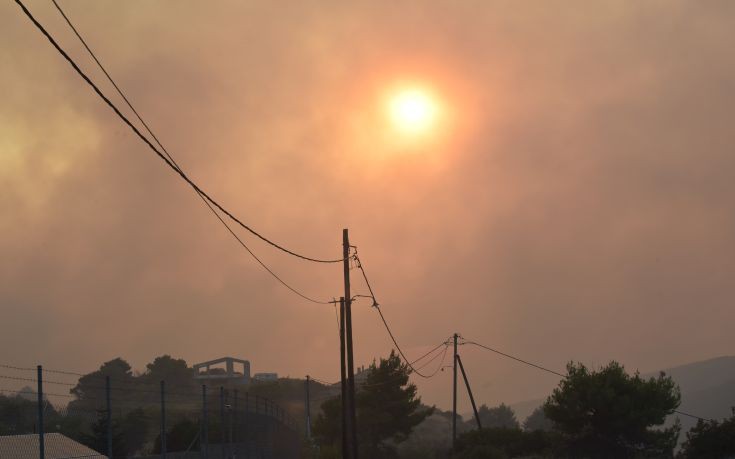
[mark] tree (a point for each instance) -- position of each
(171, 370)
(327, 428)
(387, 411)
(388, 407)
(17, 415)
(181, 437)
(497, 416)
(502, 443)
(97, 440)
(711, 440)
(608, 413)
(537, 421)
(135, 427)
(91, 386)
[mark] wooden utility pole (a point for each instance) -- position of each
(346, 448)
(163, 419)
(454, 395)
(308, 411)
(352, 418)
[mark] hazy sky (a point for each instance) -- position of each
(576, 202)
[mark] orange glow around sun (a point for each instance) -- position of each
(413, 111)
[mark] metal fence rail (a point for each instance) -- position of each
(125, 422)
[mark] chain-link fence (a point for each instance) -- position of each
(114, 420)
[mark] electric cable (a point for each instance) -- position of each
(514, 358)
(364, 276)
(400, 351)
(557, 373)
(157, 152)
(173, 161)
(431, 351)
(428, 362)
(385, 323)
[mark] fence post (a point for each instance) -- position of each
(109, 417)
(41, 442)
(246, 434)
(163, 419)
(204, 441)
(222, 420)
(258, 427)
(236, 451)
(228, 417)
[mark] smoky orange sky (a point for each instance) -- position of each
(577, 204)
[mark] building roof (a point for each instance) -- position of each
(56, 446)
(220, 360)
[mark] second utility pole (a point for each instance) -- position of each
(352, 417)
(454, 395)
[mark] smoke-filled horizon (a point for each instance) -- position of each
(574, 203)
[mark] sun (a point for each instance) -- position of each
(412, 111)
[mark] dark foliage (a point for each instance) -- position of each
(180, 437)
(97, 440)
(610, 414)
(387, 411)
(711, 440)
(501, 443)
(497, 416)
(537, 421)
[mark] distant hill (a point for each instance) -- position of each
(698, 376)
(707, 390)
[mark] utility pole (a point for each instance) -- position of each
(41, 439)
(343, 380)
(454, 395)
(308, 411)
(109, 416)
(469, 391)
(163, 419)
(348, 336)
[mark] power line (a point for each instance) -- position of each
(364, 276)
(425, 364)
(515, 358)
(441, 363)
(322, 382)
(175, 164)
(157, 152)
(385, 323)
(431, 351)
(400, 351)
(559, 374)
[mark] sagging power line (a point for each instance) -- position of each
(539, 367)
(169, 160)
(175, 164)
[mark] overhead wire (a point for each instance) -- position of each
(178, 168)
(364, 276)
(400, 351)
(385, 323)
(168, 160)
(443, 357)
(430, 352)
(517, 359)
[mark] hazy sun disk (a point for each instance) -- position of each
(412, 111)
